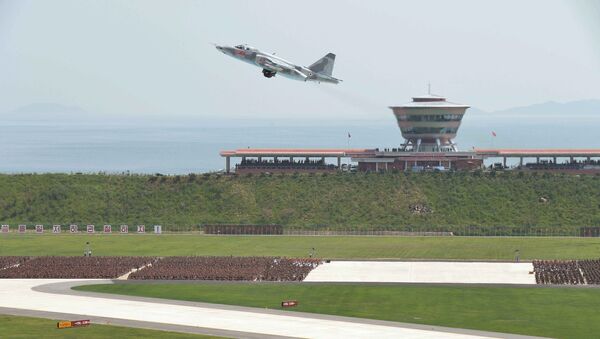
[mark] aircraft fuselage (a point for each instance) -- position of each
(272, 64)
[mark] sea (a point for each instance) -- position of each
(182, 147)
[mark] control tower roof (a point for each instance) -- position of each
(430, 100)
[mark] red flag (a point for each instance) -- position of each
(493, 133)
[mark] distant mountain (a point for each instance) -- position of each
(45, 112)
(475, 110)
(48, 107)
(581, 107)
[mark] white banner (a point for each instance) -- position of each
(22, 228)
(90, 229)
(124, 229)
(141, 229)
(5, 228)
(107, 229)
(73, 229)
(157, 229)
(39, 228)
(55, 229)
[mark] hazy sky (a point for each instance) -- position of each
(155, 58)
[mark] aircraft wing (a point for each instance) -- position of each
(331, 78)
(327, 78)
(271, 64)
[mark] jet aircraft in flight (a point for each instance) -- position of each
(320, 71)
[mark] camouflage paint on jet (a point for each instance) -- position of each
(320, 71)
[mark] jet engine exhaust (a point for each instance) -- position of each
(268, 74)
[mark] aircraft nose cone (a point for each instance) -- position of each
(222, 49)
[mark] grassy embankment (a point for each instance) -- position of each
(26, 327)
(351, 201)
(349, 247)
(552, 312)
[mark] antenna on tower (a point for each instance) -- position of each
(429, 88)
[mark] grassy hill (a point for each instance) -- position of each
(425, 201)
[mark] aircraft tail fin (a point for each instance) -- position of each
(324, 65)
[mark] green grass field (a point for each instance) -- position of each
(552, 312)
(348, 247)
(342, 201)
(25, 327)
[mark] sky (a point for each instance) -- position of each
(152, 58)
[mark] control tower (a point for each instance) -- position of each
(429, 123)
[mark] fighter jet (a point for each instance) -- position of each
(320, 71)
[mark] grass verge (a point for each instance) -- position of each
(28, 327)
(348, 247)
(551, 312)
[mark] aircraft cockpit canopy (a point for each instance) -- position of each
(244, 47)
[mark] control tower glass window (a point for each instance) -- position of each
(435, 117)
(429, 130)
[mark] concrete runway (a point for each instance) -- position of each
(441, 272)
(53, 298)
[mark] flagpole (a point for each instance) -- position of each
(348, 159)
(493, 138)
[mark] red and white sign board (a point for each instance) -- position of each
(90, 228)
(39, 228)
(124, 229)
(56, 229)
(73, 229)
(141, 229)
(22, 228)
(69, 324)
(107, 229)
(5, 228)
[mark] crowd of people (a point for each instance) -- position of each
(591, 271)
(572, 165)
(557, 272)
(70, 267)
(285, 164)
(228, 268)
(7, 262)
(167, 268)
(567, 272)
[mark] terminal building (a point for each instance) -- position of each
(428, 124)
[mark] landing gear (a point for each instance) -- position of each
(268, 74)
